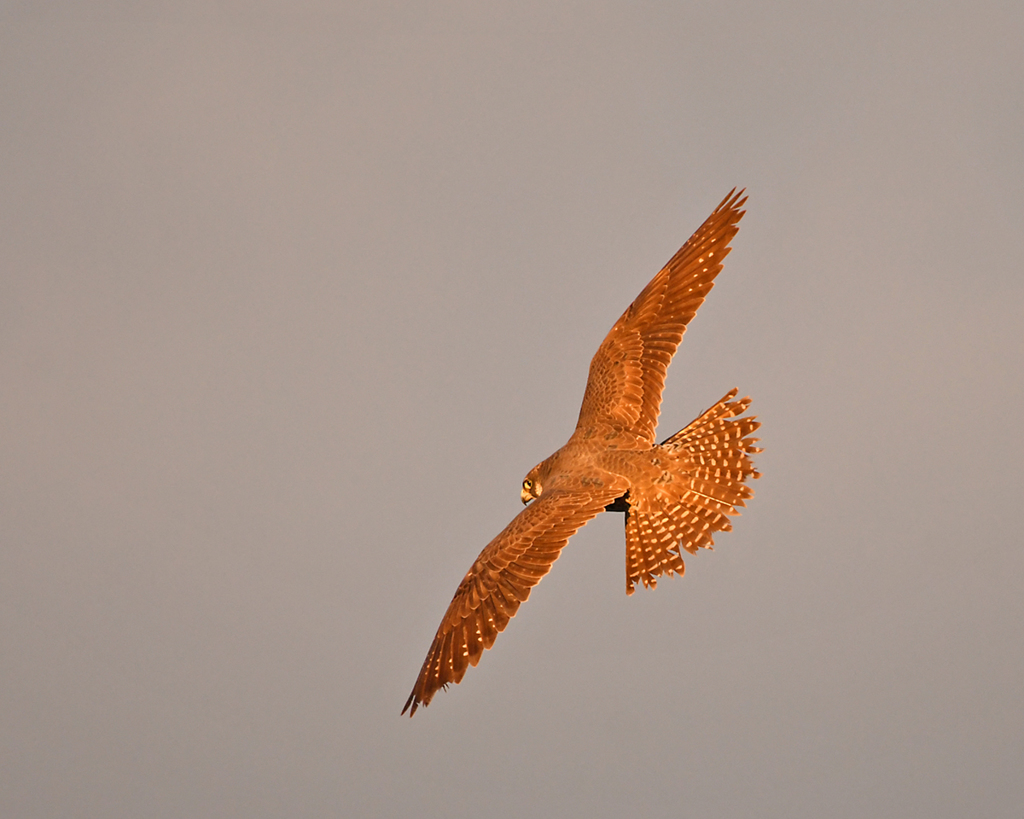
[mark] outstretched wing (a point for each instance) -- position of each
(627, 374)
(501, 579)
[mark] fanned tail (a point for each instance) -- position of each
(713, 454)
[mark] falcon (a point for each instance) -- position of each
(675, 495)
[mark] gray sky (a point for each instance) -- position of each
(291, 301)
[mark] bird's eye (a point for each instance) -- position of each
(527, 484)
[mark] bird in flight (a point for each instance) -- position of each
(675, 495)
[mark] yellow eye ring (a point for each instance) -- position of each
(527, 484)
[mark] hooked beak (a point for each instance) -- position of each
(525, 496)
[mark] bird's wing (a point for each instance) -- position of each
(501, 579)
(627, 374)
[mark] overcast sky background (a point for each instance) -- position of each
(290, 301)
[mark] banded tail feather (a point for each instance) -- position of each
(714, 457)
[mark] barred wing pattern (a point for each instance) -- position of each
(697, 481)
(627, 374)
(500, 579)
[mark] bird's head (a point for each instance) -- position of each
(532, 485)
